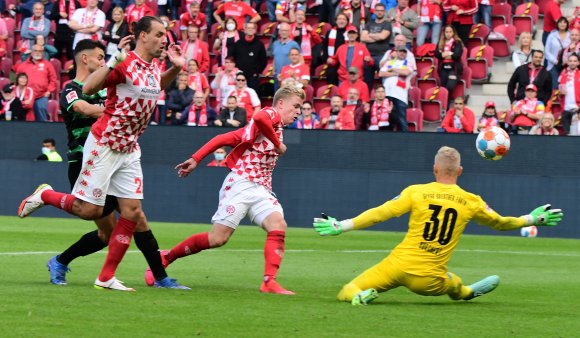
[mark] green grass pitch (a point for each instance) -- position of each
(538, 295)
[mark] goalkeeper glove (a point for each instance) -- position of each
(327, 226)
(118, 57)
(545, 216)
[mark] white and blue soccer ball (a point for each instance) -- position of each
(493, 143)
(531, 231)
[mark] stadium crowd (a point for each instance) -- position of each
(363, 64)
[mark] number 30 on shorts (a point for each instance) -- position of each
(139, 183)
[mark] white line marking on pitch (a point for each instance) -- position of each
(503, 252)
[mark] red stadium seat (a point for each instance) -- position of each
(57, 67)
(326, 92)
(434, 103)
(10, 48)
(501, 14)
(309, 91)
(414, 97)
(268, 28)
(502, 44)
(322, 28)
(4, 81)
(415, 119)
(269, 70)
(523, 23)
(320, 104)
(10, 26)
(480, 63)
(53, 114)
(530, 9)
(6, 67)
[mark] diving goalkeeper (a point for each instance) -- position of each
(439, 213)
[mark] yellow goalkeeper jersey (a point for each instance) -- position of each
(439, 214)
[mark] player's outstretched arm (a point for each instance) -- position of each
(540, 216)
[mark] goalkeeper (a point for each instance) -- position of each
(439, 213)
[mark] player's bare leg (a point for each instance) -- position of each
(275, 226)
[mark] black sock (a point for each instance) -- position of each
(88, 244)
(147, 243)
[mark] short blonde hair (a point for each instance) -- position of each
(287, 92)
(448, 160)
(523, 35)
(547, 115)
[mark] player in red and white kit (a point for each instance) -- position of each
(247, 190)
(111, 155)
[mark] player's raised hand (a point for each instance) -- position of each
(546, 216)
(175, 56)
(183, 169)
(327, 226)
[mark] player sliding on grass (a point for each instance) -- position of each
(111, 154)
(439, 213)
(247, 190)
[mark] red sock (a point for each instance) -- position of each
(118, 245)
(273, 252)
(189, 246)
(58, 199)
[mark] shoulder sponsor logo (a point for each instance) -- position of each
(70, 97)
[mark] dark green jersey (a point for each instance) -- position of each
(78, 126)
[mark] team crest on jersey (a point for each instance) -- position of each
(70, 97)
(151, 80)
(97, 193)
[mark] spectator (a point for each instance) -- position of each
(178, 99)
(116, 30)
(569, 85)
(449, 53)
(351, 54)
(489, 117)
(304, 35)
(557, 41)
(459, 119)
(270, 6)
(355, 11)
(136, 11)
(49, 51)
(169, 7)
(430, 16)
(326, 11)
(533, 73)
(286, 10)
(197, 80)
(396, 74)
(376, 36)
(10, 105)
(49, 152)
(25, 95)
(3, 37)
(483, 14)
(335, 38)
(281, 48)
(573, 47)
(26, 8)
(232, 115)
(296, 69)
(523, 54)
(526, 112)
(193, 17)
(63, 37)
(546, 126)
(329, 115)
(460, 15)
(219, 157)
(377, 117)
(238, 10)
(391, 54)
(308, 119)
(226, 40)
(87, 23)
(552, 13)
(404, 20)
(250, 55)
(195, 49)
(354, 81)
(575, 125)
(246, 98)
(225, 80)
(42, 80)
(199, 113)
(35, 25)
(352, 112)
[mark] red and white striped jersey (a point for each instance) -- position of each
(133, 88)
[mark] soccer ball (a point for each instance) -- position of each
(493, 143)
(531, 231)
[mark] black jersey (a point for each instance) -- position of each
(78, 126)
